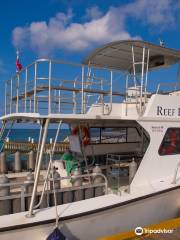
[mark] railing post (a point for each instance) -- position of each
(82, 92)
(127, 78)
(49, 79)
(59, 101)
(30, 214)
(147, 69)
(17, 93)
(74, 98)
(22, 198)
(111, 91)
(25, 103)
(134, 68)
(5, 100)
(11, 97)
(35, 85)
(142, 82)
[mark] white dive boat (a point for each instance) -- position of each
(132, 132)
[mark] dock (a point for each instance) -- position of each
(171, 226)
(13, 147)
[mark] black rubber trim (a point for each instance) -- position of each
(27, 225)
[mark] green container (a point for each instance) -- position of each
(70, 163)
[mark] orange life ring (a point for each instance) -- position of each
(86, 134)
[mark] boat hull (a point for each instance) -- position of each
(127, 216)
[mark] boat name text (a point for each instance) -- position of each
(167, 111)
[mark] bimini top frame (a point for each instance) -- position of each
(118, 55)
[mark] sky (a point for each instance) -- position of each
(70, 29)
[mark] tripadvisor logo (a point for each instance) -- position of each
(138, 231)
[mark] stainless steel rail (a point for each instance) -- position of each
(81, 187)
(171, 85)
(46, 77)
(23, 185)
(175, 174)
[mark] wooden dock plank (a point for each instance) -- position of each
(27, 146)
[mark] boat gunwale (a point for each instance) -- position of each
(99, 210)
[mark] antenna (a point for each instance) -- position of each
(161, 43)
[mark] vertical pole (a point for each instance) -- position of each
(30, 214)
(17, 93)
(82, 91)
(38, 147)
(147, 69)
(26, 78)
(111, 91)
(134, 70)
(54, 99)
(101, 98)
(142, 82)
(127, 77)
(11, 98)
(59, 102)
(30, 104)
(22, 198)
(5, 100)
(74, 99)
(49, 79)
(35, 85)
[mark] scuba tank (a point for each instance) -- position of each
(132, 170)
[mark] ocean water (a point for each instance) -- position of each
(23, 135)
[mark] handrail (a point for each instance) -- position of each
(170, 84)
(24, 184)
(175, 174)
(23, 90)
(71, 177)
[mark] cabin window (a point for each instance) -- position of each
(114, 135)
(171, 142)
(133, 135)
(95, 134)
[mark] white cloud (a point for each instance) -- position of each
(93, 13)
(60, 32)
(159, 13)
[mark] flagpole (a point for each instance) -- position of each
(17, 58)
(18, 64)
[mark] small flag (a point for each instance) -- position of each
(56, 235)
(18, 64)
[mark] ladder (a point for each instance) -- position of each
(140, 67)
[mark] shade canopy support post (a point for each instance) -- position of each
(45, 130)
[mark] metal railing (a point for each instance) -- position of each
(105, 184)
(136, 81)
(48, 86)
(24, 194)
(171, 87)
